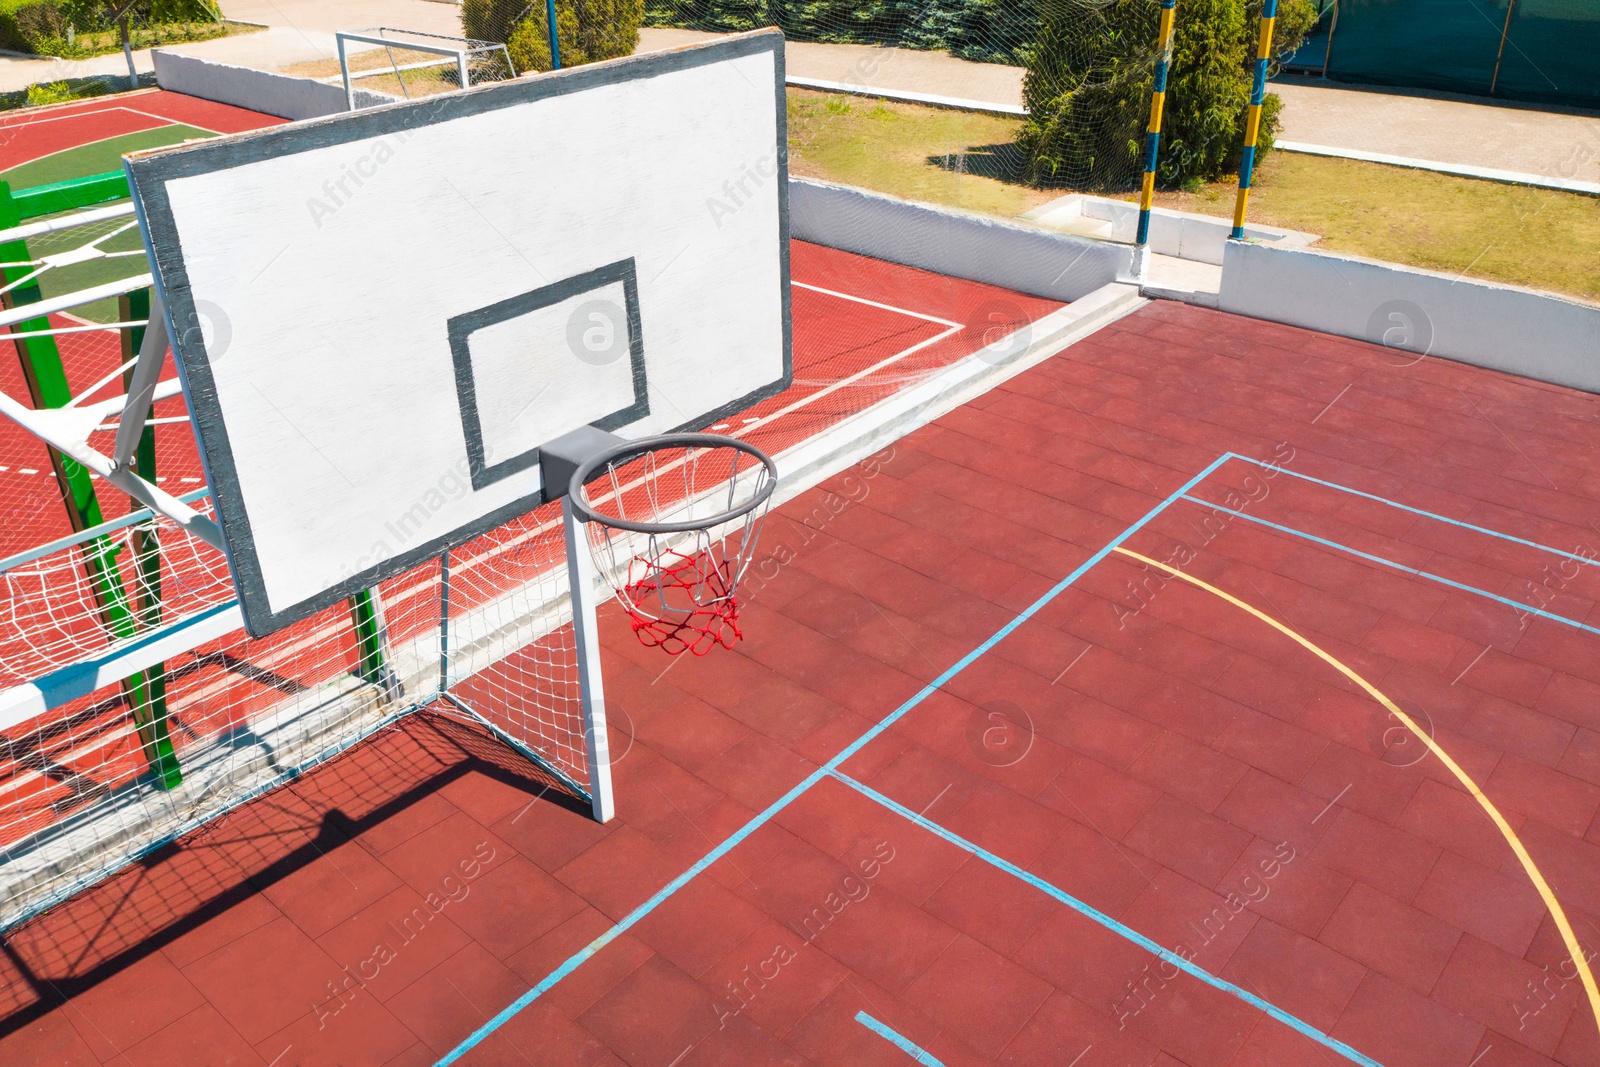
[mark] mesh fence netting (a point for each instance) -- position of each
(1543, 52)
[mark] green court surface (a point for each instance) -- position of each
(97, 157)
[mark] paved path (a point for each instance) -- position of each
(870, 67)
(300, 30)
(1441, 129)
(1317, 113)
(1437, 129)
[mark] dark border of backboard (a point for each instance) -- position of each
(148, 175)
(462, 327)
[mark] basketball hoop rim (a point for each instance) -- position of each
(578, 494)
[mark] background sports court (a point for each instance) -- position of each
(988, 780)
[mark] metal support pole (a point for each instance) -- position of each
(1333, 28)
(444, 622)
(344, 68)
(463, 74)
(142, 385)
(591, 687)
(1252, 129)
(372, 644)
(1505, 32)
(555, 45)
(1152, 145)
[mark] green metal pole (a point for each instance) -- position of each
(47, 386)
(372, 665)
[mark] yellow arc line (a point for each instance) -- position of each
(1574, 949)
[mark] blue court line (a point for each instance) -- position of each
(1417, 511)
(1090, 912)
(666, 891)
(1291, 531)
(905, 1044)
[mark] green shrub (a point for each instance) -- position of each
(586, 30)
(493, 20)
(1088, 86)
(79, 28)
(61, 92)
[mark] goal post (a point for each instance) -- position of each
(491, 60)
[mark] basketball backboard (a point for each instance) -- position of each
(401, 305)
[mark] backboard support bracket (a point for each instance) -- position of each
(559, 459)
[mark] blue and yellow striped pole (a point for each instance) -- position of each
(1252, 128)
(1152, 144)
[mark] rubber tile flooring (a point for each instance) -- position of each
(1140, 763)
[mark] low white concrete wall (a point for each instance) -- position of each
(1182, 234)
(1417, 312)
(1185, 234)
(981, 249)
(268, 92)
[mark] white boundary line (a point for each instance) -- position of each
(23, 123)
(904, 95)
(170, 121)
(873, 303)
(163, 120)
(951, 328)
(1460, 170)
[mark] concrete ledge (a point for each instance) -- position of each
(1417, 312)
(1183, 234)
(258, 90)
(976, 247)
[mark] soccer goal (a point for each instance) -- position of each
(411, 63)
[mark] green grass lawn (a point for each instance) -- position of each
(1477, 229)
(1535, 237)
(959, 158)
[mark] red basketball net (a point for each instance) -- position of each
(680, 589)
(682, 603)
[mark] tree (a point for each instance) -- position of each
(1089, 78)
(586, 30)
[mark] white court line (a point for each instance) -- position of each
(170, 121)
(873, 303)
(162, 119)
(951, 328)
(167, 119)
(23, 123)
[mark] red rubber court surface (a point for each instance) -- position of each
(982, 769)
(28, 135)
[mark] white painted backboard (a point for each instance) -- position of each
(401, 305)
